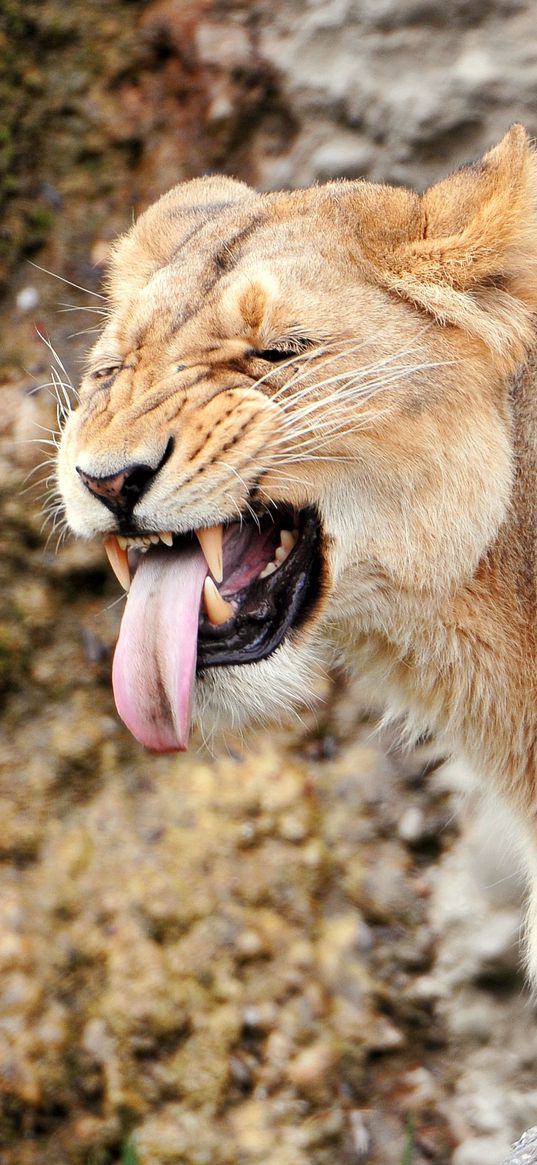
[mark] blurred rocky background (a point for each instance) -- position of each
(297, 954)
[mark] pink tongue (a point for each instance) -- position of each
(155, 659)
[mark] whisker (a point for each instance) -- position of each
(290, 477)
(62, 396)
(341, 354)
(35, 469)
(69, 282)
(84, 332)
(97, 311)
(36, 440)
(302, 449)
(110, 606)
(352, 392)
(245, 487)
(360, 374)
(235, 503)
(281, 365)
(42, 440)
(54, 353)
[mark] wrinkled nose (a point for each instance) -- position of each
(120, 492)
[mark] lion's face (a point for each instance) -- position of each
(283, 434)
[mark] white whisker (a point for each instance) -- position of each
(97, 311)
(245, 487)
(301, 375)
(297, 357)
(54, 354)
(69, 282)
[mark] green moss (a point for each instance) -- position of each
(39, 220)
(129, 1155)
(408, 1152)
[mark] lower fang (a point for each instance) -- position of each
(218, 609)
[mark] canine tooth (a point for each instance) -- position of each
(210, 540)
(287, 540)
(167, 538)
(269, 569)
(281, 554)
(218, 609)
(119, 561)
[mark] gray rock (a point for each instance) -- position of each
(525, 1150)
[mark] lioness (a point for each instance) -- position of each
(308, 430)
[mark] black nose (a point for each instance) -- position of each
(120, 492)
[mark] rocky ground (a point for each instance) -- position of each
(305, 951)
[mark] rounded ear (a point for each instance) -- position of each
(162, 229)
(470, 254)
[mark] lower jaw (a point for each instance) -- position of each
(240, 698)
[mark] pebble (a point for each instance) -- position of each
(250, 944)
(27, 299)
(411, 825)
(308, 1070)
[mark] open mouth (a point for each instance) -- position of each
(219, 596)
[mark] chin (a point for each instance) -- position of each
(274, 690)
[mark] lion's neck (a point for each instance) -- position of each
(463, 669)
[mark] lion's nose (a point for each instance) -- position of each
(120, 491)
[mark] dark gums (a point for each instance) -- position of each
(268, 607)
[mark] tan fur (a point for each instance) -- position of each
(420, 458)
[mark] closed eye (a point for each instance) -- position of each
(275, 355)
(106, 372)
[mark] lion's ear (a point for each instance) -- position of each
(470, 252)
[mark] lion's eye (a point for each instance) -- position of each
(106, 372)
(275, 355)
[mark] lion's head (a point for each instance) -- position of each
(294, 423)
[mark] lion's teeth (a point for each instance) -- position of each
(118, 559)
(210, 540)
(144, 541)
(287, 541)
(218, 609)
